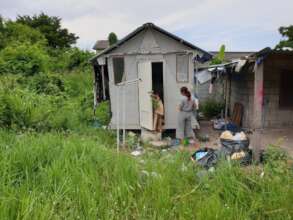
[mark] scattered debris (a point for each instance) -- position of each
(137, 152)
(175, 142)
(159, 144)
(206, 158)
(227, 135)
(262, 174)
(243, 157)
(219, 124)
(238, 155)
(203, 138)
(233, 147)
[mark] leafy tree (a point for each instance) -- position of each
(112, 38)
(1, 23)
(220, 56)
(286, 32)
(70, 59)
(15, 32)
(50, 27)
(23, 58)
(77, 58)
(2, 38)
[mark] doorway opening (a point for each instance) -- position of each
(157, 79)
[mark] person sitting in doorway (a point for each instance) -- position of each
(186, 108)
(158, 112)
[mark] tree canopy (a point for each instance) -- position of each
(112, 38)
(220, 57)
(27, 49)
(12, 32)
(1, 32)
(50, 27)
(287, 33)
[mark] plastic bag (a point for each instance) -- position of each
(206, 158)
(243, 157)
(231, 146)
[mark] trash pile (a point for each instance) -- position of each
(233, 148)
(236, 147)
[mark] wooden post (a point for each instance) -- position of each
(258, 97)
(226, 99)
(95, 90)
(117, 116)
(103, 81)
(196, 82)
(258, 125)
(124, 115)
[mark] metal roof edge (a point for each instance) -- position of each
(143, 27)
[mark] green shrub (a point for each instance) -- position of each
(50, 84)
(70, 59)
(275, 159)
(211, 108)
(15, 32)
(23, 59)
(41, 103)
(21, 109)
(102, 113)
(78, 58)
(78, 83)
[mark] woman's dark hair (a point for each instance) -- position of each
(185, 92)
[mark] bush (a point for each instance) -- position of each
(212, 108)
(42, 103)
(275, 159)
(78, 83)
(22, 109)
(50, 84)
(14, 32)
(23, 59)
(102, 113)
(70, 59)
(78, 58)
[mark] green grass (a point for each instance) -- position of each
(54, 165)
(80, 176)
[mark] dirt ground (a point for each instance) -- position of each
(279, 137)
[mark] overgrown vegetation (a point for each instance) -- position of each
(55, 165)
(287, 34)
(212, 108)
(44, 85)
(78, 176)
(220, 57)
(50, 27)
(112, 38)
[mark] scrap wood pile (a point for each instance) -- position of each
(233, 148)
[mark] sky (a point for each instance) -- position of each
(242, 25)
